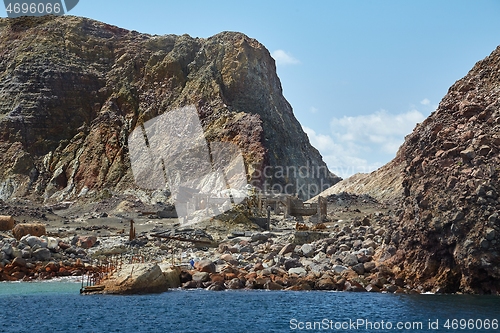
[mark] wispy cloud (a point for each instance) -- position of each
(384, 130)
(342, 159)
(284, 58)
(363, 143)
(425, 101)
(312, 109)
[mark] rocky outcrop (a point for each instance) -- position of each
(448, 234)
(136, 279)
(73, 89)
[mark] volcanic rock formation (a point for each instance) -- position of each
(449, 233)
(73, 89)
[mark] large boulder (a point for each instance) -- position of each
(172, 275)
(137, 279)
(205, 266)
(42, 254)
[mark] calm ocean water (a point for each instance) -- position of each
(58, 307)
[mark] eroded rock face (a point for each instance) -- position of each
(448, 234)
(136, 279)
(72, 90)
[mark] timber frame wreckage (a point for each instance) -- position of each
(257, 206)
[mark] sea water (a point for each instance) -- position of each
(58, 307)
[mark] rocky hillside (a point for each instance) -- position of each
(384, 184)
(73, 89)
(449, 231)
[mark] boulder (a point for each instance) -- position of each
(137, 279)
(19, 262)
(350, 260)
(6, 223)
(33, 229)
(42, 254)
(86, 242)
(325, 283)
(307, 250)
(359, 268)
(235, 284)
(288, 248)
(337, 269)
(172, 275)
(301, 271)
(216, 287)
(33, 240)
(205, 266)
(7, 249)
(369, 266)
(270, 285)
(201, 276)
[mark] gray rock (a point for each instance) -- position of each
(357, 243)
(458, 216)
(235, 284)
(396, 237)
(369, 243)
(369, 266)
(350, 260)
(344, 247)
(33, 240)
(42, 254)
(484, 243)
(337, 269)
(490, 234)
(201, 277)
(359, 269)
(16, 253)
(320, 256)
(492, 219)
(467, 154)
(484, 150)
(331, 249)
(307, 250)
(287, 249)
(247, 249)
(7, 249)
(259, 237)
(292, 263)
(298, 270)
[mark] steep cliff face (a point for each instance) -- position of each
(73, 89)
(449, 233)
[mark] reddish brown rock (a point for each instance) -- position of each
(86, 242)
(33, 229)
(6, 223)
(205, 266)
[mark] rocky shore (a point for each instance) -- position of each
(343, 255)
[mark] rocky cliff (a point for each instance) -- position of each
(449, 230)
(73, 89)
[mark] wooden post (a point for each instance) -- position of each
(269, 218)
(288, 208)
(131, 235)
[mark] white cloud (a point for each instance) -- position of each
(342, 159)
(363, 143)
(425, 101)
(381, 129)
(312, 109)
(284, 58)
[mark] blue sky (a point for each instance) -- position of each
(358, 74)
